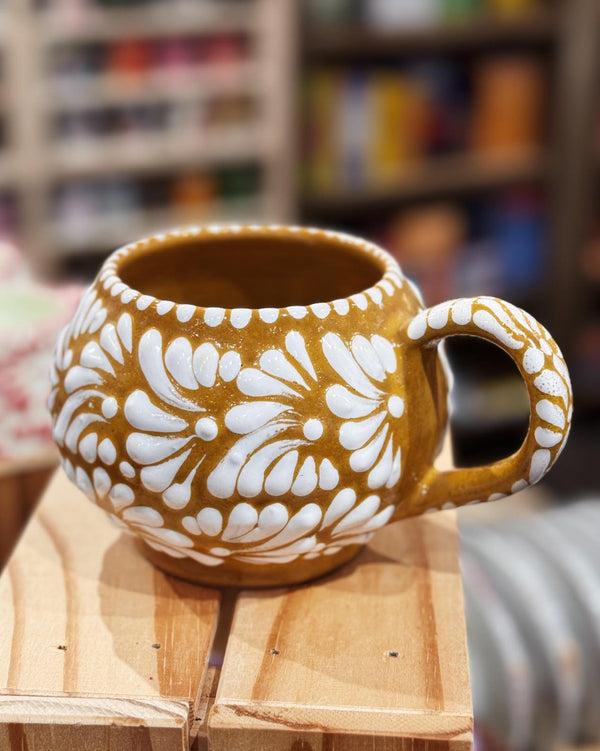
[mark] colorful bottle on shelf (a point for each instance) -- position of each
(193, 197)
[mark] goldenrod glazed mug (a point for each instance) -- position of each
(253, 402)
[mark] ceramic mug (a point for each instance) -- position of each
(253, 402)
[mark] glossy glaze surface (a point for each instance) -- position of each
(246, 440)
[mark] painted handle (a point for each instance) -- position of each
(547, 379)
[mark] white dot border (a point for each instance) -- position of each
(391, 281)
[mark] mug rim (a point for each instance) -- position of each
(391, 277)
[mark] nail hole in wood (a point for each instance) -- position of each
(274, 651)
(393, 654)
(156, 646)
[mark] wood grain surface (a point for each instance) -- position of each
(92, 636)
(372, 657)
(101, 651)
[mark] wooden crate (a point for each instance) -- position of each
(100, 651)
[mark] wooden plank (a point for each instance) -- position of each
(372, 657)
(83, 618)
(43, 723)
(199, 729)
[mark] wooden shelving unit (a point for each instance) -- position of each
(358, 43)
(143, 154)
(141, 223)
(450, 176)
(455, 177)
(109, 24)
(204, 83)
(38, 162)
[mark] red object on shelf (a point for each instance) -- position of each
(130, 57)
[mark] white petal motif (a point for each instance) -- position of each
(358, 516)
(251, 479)
(396, 469)
(149, 449)
(142, 414)
(365, 458)
(178, 495)
(279, 480)
(178, 359)
(306, 480)
(92, 356)
(151, 363)
(347, 405)
(274, 362)
(124, 329)
(230, 366)
(386, 353)
(143, 515)
(88, 447)
(328, 475)
(296, 346)
(304, 521)
(340, 359)
(340, 505)
(222, 480)
(205, 363)
(366, 356)
(210, 521)
(253, 382)
(78, 377)
(242, 519)
(354, 435)
(244, 418)
(381, 472)
(551, 413)
(158, 477)
(272, 519)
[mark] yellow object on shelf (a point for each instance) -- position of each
(512, 8)
(508, 114)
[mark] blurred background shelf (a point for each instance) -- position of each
(89, 23)
(139, 154)
(446, 176)
(202, 82)
(356, 42)
(117, 228)
(123, 95)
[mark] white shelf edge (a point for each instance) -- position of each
(151, 154)
(173, 18)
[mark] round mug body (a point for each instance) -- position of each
(254, 402)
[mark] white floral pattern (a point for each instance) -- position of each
(99, 486)
(252, 435)
(271, 536)
(88, 402)
(532, 347)
(276, 536)
(171, 428)
(366, 404)
(275, 453)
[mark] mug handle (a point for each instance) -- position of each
(545, 373)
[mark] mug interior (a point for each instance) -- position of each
(243, 271)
